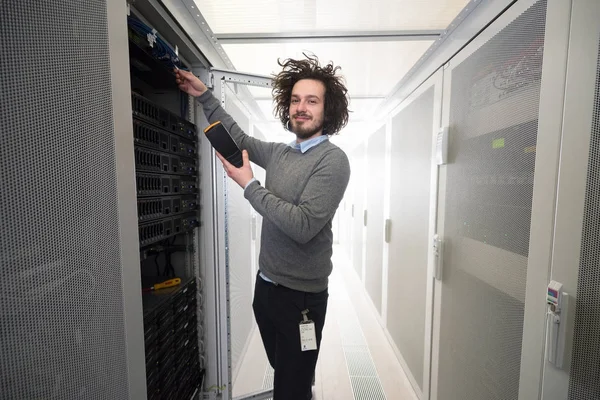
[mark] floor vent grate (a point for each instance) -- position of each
(268, 379)
(361, 369)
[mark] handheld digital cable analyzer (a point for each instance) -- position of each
(221, 141)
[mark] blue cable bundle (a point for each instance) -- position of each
(148, 38)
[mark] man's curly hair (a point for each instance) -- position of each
(336, 102)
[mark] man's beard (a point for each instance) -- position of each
(303, 131)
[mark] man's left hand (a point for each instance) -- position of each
(241, 175)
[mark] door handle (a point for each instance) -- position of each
(388, 230)
(438, 251)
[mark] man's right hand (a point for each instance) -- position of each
(189, 83)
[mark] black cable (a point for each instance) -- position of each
(157, 266)
(169, 270)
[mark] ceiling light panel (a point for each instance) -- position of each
(268, 16)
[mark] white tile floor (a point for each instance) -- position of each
(347, 304)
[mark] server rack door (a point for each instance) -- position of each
(344, 218)
(412, 215)
(68, 292)
(544, 196)
(374, 205)
(492, 106)
(358, 182)
(572, 363)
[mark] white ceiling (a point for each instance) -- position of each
(251, 16)
(371, 68)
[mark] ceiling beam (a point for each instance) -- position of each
(328, 36)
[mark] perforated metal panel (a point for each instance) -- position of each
(585, 367)
(412, 132)
(493, 134)
(61, 315)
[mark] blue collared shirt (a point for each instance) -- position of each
(303, 147)
(308, 144)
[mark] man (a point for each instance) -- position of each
(305, 182)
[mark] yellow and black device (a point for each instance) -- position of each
(163, 285)
(221, 141)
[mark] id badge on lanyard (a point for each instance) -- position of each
(308, 337)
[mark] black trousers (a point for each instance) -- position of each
(277, 310)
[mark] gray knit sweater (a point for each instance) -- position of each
(301, 195)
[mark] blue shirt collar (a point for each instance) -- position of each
(308, 144)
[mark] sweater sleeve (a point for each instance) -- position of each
(258, 151)
(318, 203)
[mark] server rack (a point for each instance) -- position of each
(166, 149)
